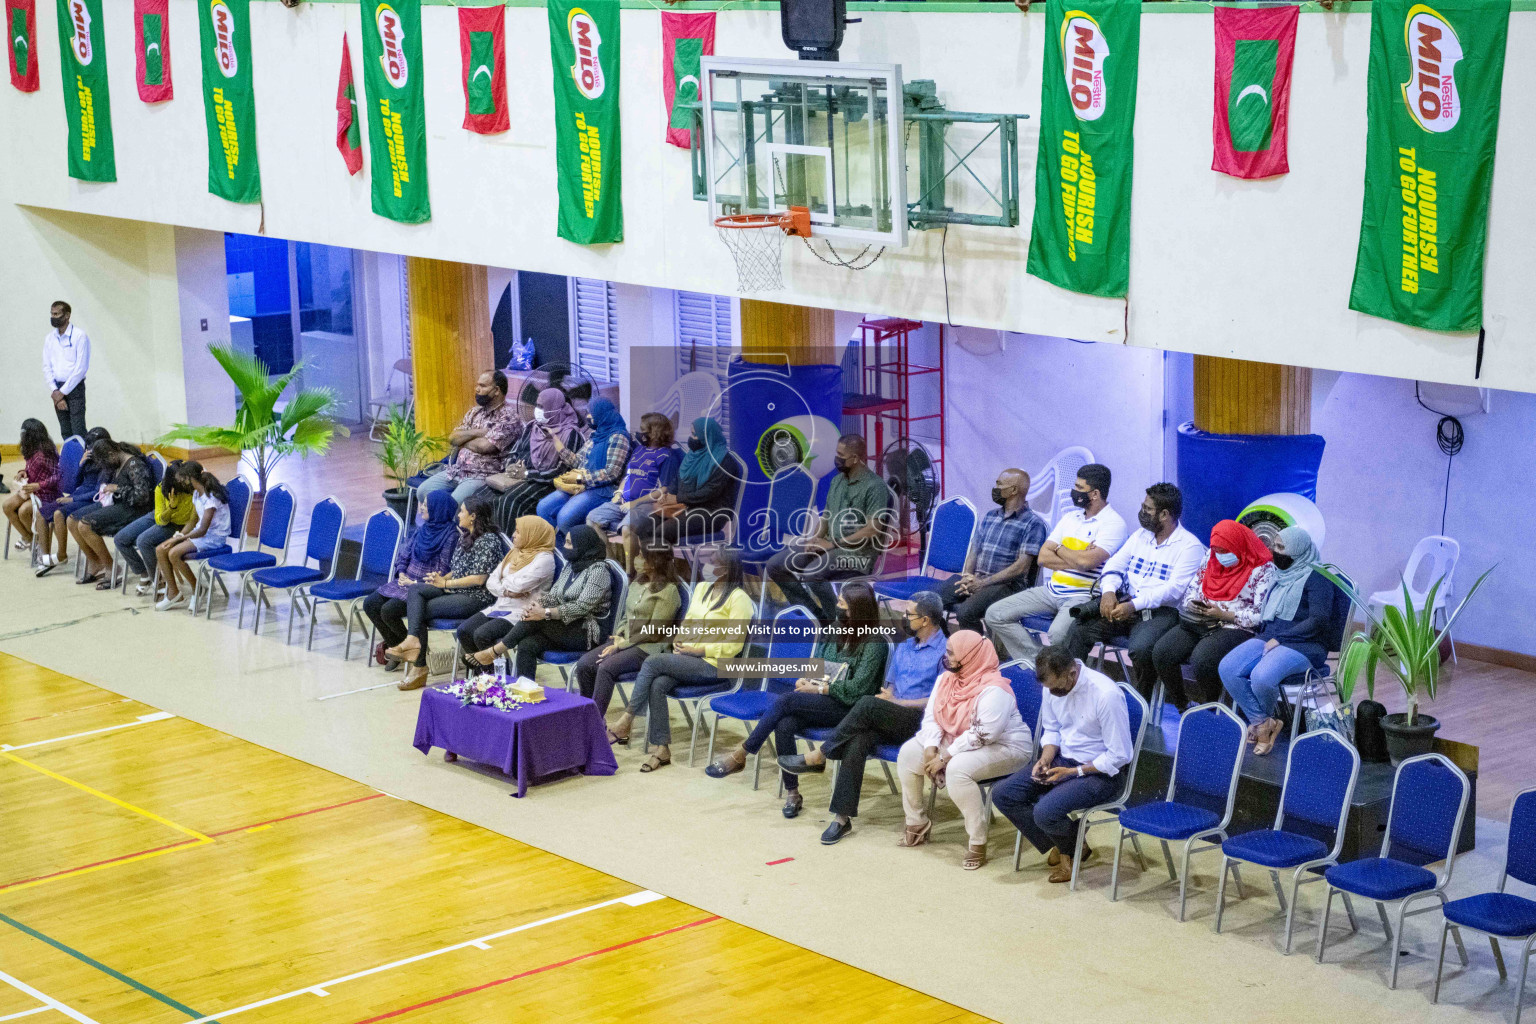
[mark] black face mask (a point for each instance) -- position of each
(1283, 562)
(639, 439)
(1082, 498)
(696, 444)
(482, 400)
(56, 321)
(1148, 520)
(997, 496)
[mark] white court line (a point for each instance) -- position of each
(156, 716)
(362, 689)
(53, 1004)
(635, 899)
(26, 1013)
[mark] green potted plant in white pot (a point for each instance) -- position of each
(404, 450)
(1406, 642)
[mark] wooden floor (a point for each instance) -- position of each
(159, 872)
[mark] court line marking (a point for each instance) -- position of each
(26, 1013)
(156, 716)
(538, 970)
(71, 711)
(50, 1002)
(634, 899)
(151, 815)
(360, 689)
(781, 860)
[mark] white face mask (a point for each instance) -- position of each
(710, 572)
(1228, 559)
(538, 415)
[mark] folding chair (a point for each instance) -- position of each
(954, 531)
(382, 535)
(276, 530)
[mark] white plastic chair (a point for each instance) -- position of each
(1050, 489)
(378, 407)
(692, 395)
(1442, 554)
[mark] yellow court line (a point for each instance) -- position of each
(110, 799)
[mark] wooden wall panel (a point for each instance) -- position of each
(1234, 396)
(772, 331)
(450, 339)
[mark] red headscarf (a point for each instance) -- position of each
(1222, 583)
(956, 692)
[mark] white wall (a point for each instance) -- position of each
(203, 289)
(1255, 269)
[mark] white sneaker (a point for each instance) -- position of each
(169, 605)
(144, 587)
(45, 565)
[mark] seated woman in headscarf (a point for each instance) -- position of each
(972, 731)
(605, 456)
(564, 618)
(1291, 637)
(554, 446)
(707, 481)
(1220, 610)
(516, 582)
(429, 551)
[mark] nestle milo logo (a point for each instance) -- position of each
(80, 31)
(1083, 53)
(1433, 50)
(224, 39)
(587, 72)
(392, 40)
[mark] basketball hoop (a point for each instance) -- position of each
(756, 242)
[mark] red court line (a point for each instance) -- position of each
(781, 860)
(185, 842)
(538, 970)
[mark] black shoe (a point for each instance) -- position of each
(835, 831)
(793, 804)
(796, 764)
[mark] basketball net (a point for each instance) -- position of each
(756, 243)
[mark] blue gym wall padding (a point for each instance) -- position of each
(1221, 473)
(804, 402)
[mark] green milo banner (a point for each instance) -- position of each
(1433, 121)
(397, 113)
(229, 99)
(584, 47)
(83, 60)
(1081, 236)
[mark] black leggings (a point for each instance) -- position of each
(424, 602)
(530, 638)
(388, 617)
(597, 674)
(1203, 650)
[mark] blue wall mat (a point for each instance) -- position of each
(1221, 473)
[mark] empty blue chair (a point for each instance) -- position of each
(1320, 774)
(791, 493)
(1498, 914)
(1429, 799)
(323, 545)
(954, 527)
(381, 543)
(276, 528)
(618, 587)
(1200, 793)
(747, 706)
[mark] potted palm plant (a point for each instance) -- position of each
(405, 450)
(1406, 643)
(263, 434)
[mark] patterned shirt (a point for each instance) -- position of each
(476, 560)
(649, 467)
(1247, 607)
(502, 428)
(1157, 574)
(1003, 536)
(613, 468)
(1077, 531)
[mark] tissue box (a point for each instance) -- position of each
(526, 690)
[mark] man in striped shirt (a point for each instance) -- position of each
(1002, 561)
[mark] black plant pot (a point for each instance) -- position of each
(1369, 738)
(398, 499)
(1404, 740)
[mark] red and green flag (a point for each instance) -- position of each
(1254, 51)
(21, 30)
(685, 40)
(152, 44)
(87, 103)
(484, 50)
(349, 135)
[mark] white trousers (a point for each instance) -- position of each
(961, 776)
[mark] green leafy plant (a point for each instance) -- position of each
(263, 435)
(406, 449)
(1403, 640)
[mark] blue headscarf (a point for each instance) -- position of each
(441, 530)
(606, 422)
(698, 464)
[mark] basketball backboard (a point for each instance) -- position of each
(825, 136)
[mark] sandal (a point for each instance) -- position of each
(105, 584)
(727, 765)
(915, 835)
(653, 762)
(94, 577)
(614, 739)
(1266, 736)
(793, 801)
(975, 857)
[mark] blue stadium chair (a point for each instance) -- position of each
(157, 466)
(239, 500)
(71, 454)
(323, 545)
(276, 529)
(1320, 774)
(1429, 800)
(381, 543)
(618, 587)
(791, 494)
(1201, 793)
(747, 706)
(953, 532)
(1027, 694)
(1498, 914)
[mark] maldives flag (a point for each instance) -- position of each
(21, 30)
(349, 137)
(485, 69)
(685, 38)
(1254, 47)
(152, 41)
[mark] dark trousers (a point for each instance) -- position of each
(528, 639)
(1140, 636)
(424, 602)
(72, 416)
(969, 608)
(806, 579)
(388, 617)
(137, 541)
(871, 722)
(597, 673)
(1203, 650)
(1043, 813)
(788, 715)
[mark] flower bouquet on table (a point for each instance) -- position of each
(494, 691)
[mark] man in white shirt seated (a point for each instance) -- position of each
(66, 357)
(1071, 556)
(1085, 742)
(1142, 585)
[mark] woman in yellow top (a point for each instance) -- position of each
(722, 603)
(137, 541)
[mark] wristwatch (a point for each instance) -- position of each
(1079, 771)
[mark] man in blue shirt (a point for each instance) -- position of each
(1002, 560)
(892, 716)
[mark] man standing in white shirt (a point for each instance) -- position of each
(1142, 585)
(1071, 556)
(66, 357)
(1085, 741)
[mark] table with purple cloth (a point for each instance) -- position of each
(561, 733)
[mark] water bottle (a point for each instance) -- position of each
(501, 668)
